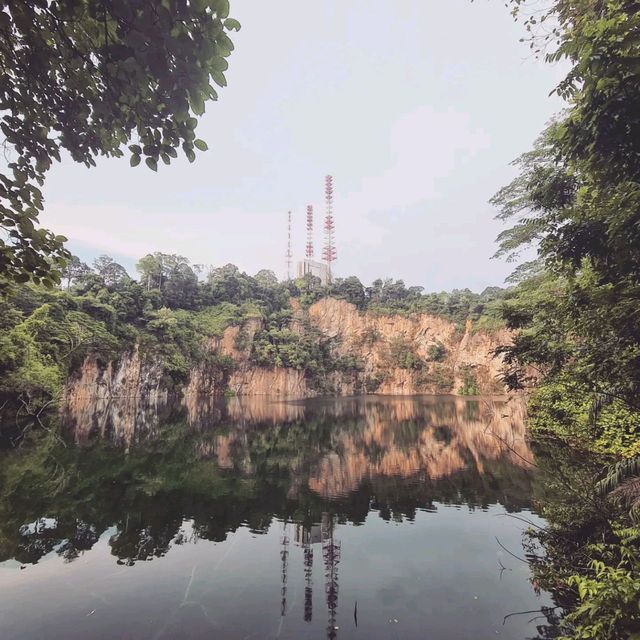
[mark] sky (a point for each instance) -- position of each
(416, 107)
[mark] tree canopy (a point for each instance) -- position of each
(577, 306)
(89, 78)
(577, 199)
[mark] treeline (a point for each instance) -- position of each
(177, 284)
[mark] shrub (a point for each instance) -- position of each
(402, 354)
(469, 385)
(436, 352)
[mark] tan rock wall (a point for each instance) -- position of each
(366, 336)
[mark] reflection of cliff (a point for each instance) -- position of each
(246, 461)
(419, 439)
(332, 447)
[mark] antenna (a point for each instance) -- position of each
(309, 249)
(289, 254)
(329, 253)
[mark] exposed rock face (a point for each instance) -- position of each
(277, 381)
(132, 375)
(89, 394)
(368, 338)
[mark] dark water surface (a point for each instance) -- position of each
(350, 518)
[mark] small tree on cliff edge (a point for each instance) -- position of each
(88, 77)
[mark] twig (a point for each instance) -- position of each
(506, 444)
(511, 515)
(509, 552)
(503, 569)
(521, 613)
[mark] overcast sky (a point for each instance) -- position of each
(416, 107)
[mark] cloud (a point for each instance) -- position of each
(250, 239)
(424, 146)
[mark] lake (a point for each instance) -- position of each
(373, 517)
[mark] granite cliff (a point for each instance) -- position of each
(390, 354)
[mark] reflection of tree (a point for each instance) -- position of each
(394, 456)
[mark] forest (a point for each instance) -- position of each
(573, 310)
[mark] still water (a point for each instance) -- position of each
(343, 518)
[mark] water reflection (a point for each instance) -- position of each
(138, 480)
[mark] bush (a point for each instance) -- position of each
(372, 383)
(402, 355)
(438, 377)
(469, 385)
(436, 352)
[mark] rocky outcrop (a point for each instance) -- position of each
(371, 337)
(445, 358)
(115, 398)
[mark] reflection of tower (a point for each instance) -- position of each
(305, 537)
(284, 556)
(331, 556)
(329, 253)
(308, 583)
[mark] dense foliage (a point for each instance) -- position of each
(393, 296)
(88, 78)
(576, 309)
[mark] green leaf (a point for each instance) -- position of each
(197, 103)
(222, 8)
(190, 155)
(224, 41)
(219, 63)
(201, 145)
(232, 24)
(218, 78)
(152, 163)
(135, 160)
(134, 148)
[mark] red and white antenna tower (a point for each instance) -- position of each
(309, 249)
(289, 254)
(329, 253)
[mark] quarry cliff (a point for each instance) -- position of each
(372, 353)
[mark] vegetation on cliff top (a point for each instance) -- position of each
(171, 312)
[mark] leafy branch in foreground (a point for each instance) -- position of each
(89, 78)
